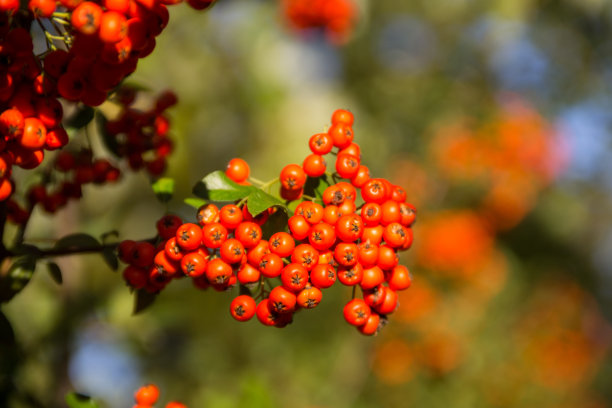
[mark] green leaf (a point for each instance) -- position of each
(315, 186)
(76, 241)
(259, 201)
(164, 189)
(80, 118)
(194, 202)
(276, 222)
(216, 186)
(55, 272)
(76, 400)
(110, 257)
(17, 277)
(26, 249)
(110, 140)
(143, 300)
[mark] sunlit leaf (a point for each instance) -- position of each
(259, 201)
(216, 186)
(164, 189)
(17, 277)
(194, 202)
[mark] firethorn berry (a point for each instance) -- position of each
(265, 313)
(322, 236)
(387, 257)
(331, 214)
(249, 233)
(407, 214)
(282, 300)
(373, 234)
(125, 250)
(305, 255)
(193, 264)
(189, 236)
(371, 214)
(395, 235)
(147, 395)
(312, 212)
(346, 253)
(136, 277)
(368, 253)
(374, 191)
(399, 278)
(168, 225)
(243, 308)
(372, 277)
(314, 165)
(230, 216)
(218, 271)
(346, 208)
(321, 143)
(270, 265)
(349, 228)
(341, 134)
(356, 312)
(282, 244)
(350, 275)
(347, 165)
(11, 123)
(142, 254)
(34, 134)
(213, 235)
(174, 404)
(247, 274)
(342, 116)
(389, 302)
(375, 296)
(371, 326)
(255, 254)
(207, 214)
(173, 250)
(323, 276)
(352, 149)
(309, 297)
(237, 170)
(390, 212)
(294, 277)
(113, 26)
(299, 227)
(292, 177)
(333, 195)
(86, 17)
(164, 265)
(232, 251)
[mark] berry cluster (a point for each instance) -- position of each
(337, 17)
(30, 112)
(147, 395)
(346, 237)
(141, 136)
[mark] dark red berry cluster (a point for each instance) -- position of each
(337, 17)
(345, 236)
(30, 113)
(142, 136)
(147, 395)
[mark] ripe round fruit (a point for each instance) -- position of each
(243, 308)
(356, 312)
(147, 395)
(292, 177)
(238, 170)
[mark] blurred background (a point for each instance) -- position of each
(495, 116)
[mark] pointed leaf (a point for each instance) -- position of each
(143, 300)
(164, 189)
(76, 400)
(276, 222)
(17, 277)
(315, 186)
(259, 201)
(80, 118)
(55, 272)
(110, 257)
(194, 202)
(216, 186)
(76, 241)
